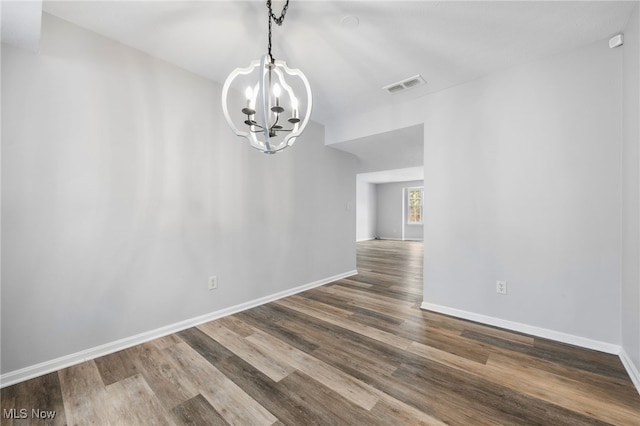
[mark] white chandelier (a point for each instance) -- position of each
(273, 114)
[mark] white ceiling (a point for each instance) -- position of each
(396, 175)
(448, 43)
(396, 149)
(21, 23)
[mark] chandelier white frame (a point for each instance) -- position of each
(273, 116)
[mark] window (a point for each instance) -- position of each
(414, 197)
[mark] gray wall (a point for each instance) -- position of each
(390, 219)
(123, 189)
(365, 210)
(522, 171)
(631, 193)
(523, 183)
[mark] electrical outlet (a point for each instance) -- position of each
(501, 287)
(213, 282)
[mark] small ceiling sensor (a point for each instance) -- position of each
(350, 21)
(616, 41)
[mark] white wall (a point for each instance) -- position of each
(123, 189)
(522, 169)
(631, 194)
(390, 217)
(523, 183)
(365, 210)
(389, 211)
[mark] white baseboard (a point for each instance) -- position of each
(365, 239)
(524, 328)
(632, 370)
(46, 367)
(609, 348)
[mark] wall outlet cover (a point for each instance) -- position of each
(213, 282)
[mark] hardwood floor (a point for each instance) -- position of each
(356, 351)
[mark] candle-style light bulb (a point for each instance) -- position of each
(249, 94)
(277, 91)
(294, 110)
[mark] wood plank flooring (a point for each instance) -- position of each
(358, 351)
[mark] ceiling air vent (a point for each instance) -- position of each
(405, 84)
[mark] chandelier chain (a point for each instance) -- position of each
(278, 20)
